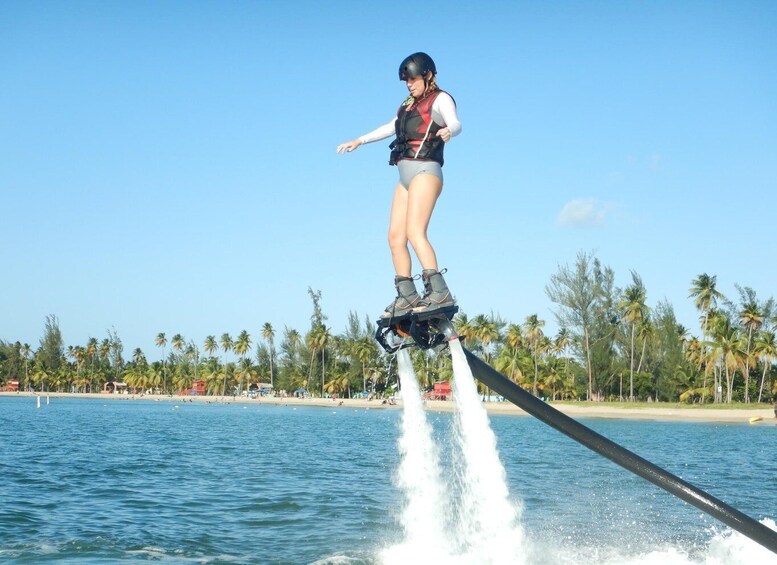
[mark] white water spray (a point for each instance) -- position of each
(484, 523)
(488, 521)
(419, 479)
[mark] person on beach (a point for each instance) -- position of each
(424, 123)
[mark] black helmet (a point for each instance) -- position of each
(417, 64)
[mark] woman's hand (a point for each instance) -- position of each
(349, 146)
(444, 134)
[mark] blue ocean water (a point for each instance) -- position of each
(118, 481)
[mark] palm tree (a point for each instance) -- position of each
(465, 328)
(178, 343)
(193, 353)
(727, 346)
(682, 334)
(161, 341)
(553, 378)
(181, 381)
(268, 333)
(766, 348)
(317, 340)
(241, 348)
(80, 355)
(154, 378)
(245, 372)
(487, 331)
(104, 352)
(533, 329)
(705, 298)
(91, 351)
(705, 295)
(716, 320)
(210, 346)
(633, 310)
(290, 346)
(212, 382)
(323, 340)
(25, 351)
(39, 378)
(363, 350)
(226, 346)
(336, 385)
(116, 349)
(645, 332)
(242, 344)
(751, 319)
(560, 343)
(105, 349)
(693, 353)
(510, 360)
(514, 336)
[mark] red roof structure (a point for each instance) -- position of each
(440, 391)
(12, 386)
(198, 389)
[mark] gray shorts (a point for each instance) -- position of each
(409, 168)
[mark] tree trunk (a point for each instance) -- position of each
(747, 365)
(763, 378)
(588, 363)
(729, 379)
(642, 355)
(631, 375)
(310, 369)
(224, 387)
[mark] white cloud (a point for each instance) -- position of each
(584, 212)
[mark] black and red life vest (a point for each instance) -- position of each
(417, 132)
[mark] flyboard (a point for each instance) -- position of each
(435, 329)
(424, 329)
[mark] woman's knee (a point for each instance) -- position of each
(417, 238)
(397, 240)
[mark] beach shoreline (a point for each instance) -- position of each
(668, 412)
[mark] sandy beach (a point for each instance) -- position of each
(602, 410)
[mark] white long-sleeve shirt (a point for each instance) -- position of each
(443, 114)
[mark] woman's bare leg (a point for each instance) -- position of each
(421, 197)
(397, 235)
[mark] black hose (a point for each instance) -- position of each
(718, 509)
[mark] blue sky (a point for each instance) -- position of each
(171, 166)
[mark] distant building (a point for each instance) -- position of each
(198, 389)
(440, 391)
(12, 386)
(114, 387)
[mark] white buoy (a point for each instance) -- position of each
(38, 397)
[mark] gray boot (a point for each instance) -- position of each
(436, 293)
(407, 298)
